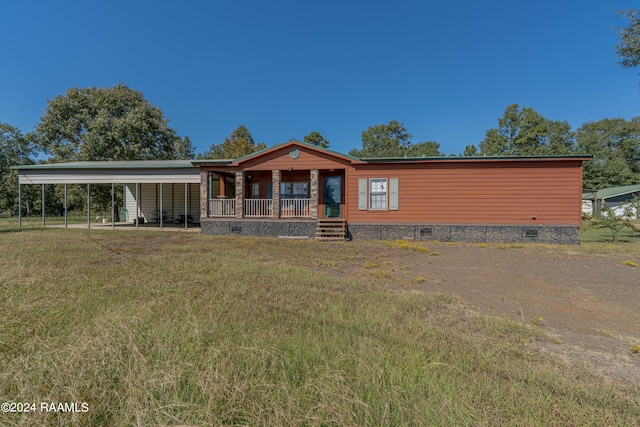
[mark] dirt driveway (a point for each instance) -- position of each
(589, 302)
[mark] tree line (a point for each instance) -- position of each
(118, 124)
(100, 124)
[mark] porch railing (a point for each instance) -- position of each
(222, 207)
(258, 207)
(290, 208)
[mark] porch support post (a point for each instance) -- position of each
(43, 205)
(223, 186)
(239, 194)
(65, 206)
(275, 193)
(313, 208)
(204, 193)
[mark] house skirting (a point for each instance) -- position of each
(260, 228)
(565, 235)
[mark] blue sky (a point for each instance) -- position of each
(447, 70)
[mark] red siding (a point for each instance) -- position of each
(280, 160)
(451, 191)
(482, 192)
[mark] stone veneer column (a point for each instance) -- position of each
(313, 177)
(275, 193)
(204, 194)
(239, 194)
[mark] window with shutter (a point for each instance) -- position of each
(378, 193)
(362, 194)
(393, 194)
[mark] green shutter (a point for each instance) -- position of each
(393, 194)
(362, 194)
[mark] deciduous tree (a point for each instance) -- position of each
(316, 138)
(424, 149)
(615, 147)
(239, 143)
(609, 220)
(113, 123)
(390, 140)
(15, 149)
(628, 48)
(525, 132)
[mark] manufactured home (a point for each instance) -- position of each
(299, 190)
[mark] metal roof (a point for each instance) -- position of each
(473, 158)
(213, 162)
(122, 164)
(607, 193)
(136, 171)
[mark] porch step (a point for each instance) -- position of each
(331, 230)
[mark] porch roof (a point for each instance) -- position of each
(266, 151)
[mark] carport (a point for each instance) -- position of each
(152, 187)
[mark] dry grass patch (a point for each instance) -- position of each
(154, 328)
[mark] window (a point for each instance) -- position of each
(378, 193)
(372, 194)
(255, 190)
(294, 190)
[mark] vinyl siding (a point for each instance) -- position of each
(172, 201)
(477, 193)
(308, 159)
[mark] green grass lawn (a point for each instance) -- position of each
(600, 240)
(11, 224)
(182, 329)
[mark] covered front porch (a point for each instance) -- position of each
(274, 194)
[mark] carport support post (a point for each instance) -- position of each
(19, 204)
(88, 205)
(186, 205)
(137, 206)
(43, 205)
(113, 205)
(161, 215)
(65, 205)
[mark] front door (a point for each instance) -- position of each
(332, 196)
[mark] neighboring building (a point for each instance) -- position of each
(616, 197)
(286, 189)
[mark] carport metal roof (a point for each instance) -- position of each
(108, 172)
